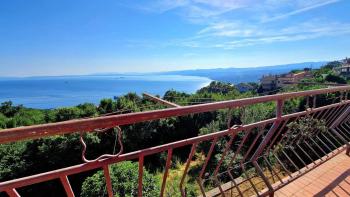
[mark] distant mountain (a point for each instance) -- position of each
(239, 75)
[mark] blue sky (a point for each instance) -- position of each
(58, 37)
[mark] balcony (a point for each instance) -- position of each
(281, 156)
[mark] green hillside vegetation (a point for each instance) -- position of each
(34, 156)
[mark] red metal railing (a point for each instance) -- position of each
(270, 138)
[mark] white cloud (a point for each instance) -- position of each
(229, 29)
(234, 35)
(231, 24)
(194, 10)
(305, 6)
(161, 6)
(269, 10)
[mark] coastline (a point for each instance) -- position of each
(68, 91)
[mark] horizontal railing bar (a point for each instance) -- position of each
(128, 156)
(89, 124)
(159, 100)
(21, 182)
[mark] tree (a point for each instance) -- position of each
(218, 87)
(305, 127)
(172, 95)
(106, 106)
(123, 103)
(331, 65)
(67, 113)
(26, 117)
(87, 109)
(11, 162)
(299, 131)
(36, 156)
(3, 121)
(8, 109)
(50, 115)
(335, 78)
(124, 178)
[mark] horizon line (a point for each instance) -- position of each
(159, 72)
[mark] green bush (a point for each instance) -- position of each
(305, 127)
(26, 117)
(124, 178)
(172, 187)
(335, 79)
(11, 163)
(3, 121)
(67, 113)
(106, 106)
(8, 109)
(87, 109)
(218, 87)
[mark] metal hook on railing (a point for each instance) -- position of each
(309, 109)
(229, 119)
(105, 156)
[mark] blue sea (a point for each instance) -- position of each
(54, 92)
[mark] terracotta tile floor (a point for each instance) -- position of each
(329, 179)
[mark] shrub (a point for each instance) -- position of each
(67, 113)
(8, 109)
(26, 117)
(218, 87)
(124, 178)
(87, 109)
(106, 106)
(335, 79)
(3, 121)
(305, 127)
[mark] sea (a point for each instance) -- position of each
(65, 91)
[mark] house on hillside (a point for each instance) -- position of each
(268, 82)
(292, 78)
(344, 69)
(271, 82)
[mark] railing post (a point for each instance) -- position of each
(279, 108)
(276, 124)
(270, 133)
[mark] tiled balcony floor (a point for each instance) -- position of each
(329, 179)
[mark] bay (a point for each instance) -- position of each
(64, 91)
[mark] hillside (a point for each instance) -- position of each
(238, 75)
